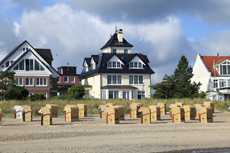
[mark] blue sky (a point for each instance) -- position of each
(164, 30)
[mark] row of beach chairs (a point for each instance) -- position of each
(114, 113)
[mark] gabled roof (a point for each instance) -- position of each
(208, 60)
(113, 42)
(15, 49)
(103, 58)
(45, 54)
(87, 60)
(95, 58)
(15, 62)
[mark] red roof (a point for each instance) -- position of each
(208, 60)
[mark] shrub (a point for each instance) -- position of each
(17, 93)
(76, 92)
(37, 96)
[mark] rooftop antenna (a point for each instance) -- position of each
(115, 28)
(68, 65)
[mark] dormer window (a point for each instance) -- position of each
(7, 63)
(113, 64)
(135, 65)
(114, 51)
(86, 68)
(125, 51)
(225, 68)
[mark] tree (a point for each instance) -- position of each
(178, 85)
(17, 93)
(6, 81)
(76, 92)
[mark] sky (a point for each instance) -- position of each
(164, 30)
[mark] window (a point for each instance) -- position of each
(125, 51)
(131, 65)
(114, 51)
(21, 65)
(125, 94)
(86, 69)
(51, 82)
(41, 81)
(135, 65)
(113, 64)
(136, 79)
(222, 83)
(114, 79)
(58, 79)
(109, 79)
(141, 94)
(31, 64)
(113, 94)
(27, 64)
(87, 94)
(109, 65)
(65, 79)
(7, 63)
(18, 81)
(29, 81)
(103, 94)
(225, 68)
(215, 83)
(72, 79)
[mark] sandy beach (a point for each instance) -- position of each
(91, 134)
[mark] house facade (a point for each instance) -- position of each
(68, 77)
(116, 72)
(213, 72)
(33, 69)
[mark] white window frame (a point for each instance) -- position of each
(112, 80)
(30, 84)
(114, 50)
(111, 66)
(143, 96)
(215, 83)
(73, 79)
(43, 80)
(67, 79)
(138, 80)
(127, 94)
(113, 91)
(17, 81)
(131, 65)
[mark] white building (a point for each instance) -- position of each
(214, 74)
(116, 72)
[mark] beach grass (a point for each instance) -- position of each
(92, 104)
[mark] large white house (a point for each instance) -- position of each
(116, 72)
(214, 74)
(33, 69)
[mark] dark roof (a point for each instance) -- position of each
(118, 86)
(113, 41)
(15, 62)
(87, 61)
(4, 59)
(45, 54)
(103, 58)
(95, 58)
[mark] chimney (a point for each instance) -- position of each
(120, 36)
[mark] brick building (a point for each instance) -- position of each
(68, 77)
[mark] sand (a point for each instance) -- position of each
(91, 134)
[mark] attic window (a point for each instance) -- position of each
(114, 51)
(7, 63)
(135, 65)
(126, 51)
(225, 68)
(113, 64)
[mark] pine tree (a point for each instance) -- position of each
(178, 85)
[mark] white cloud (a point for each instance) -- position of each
(216, 43)
(73, 35)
